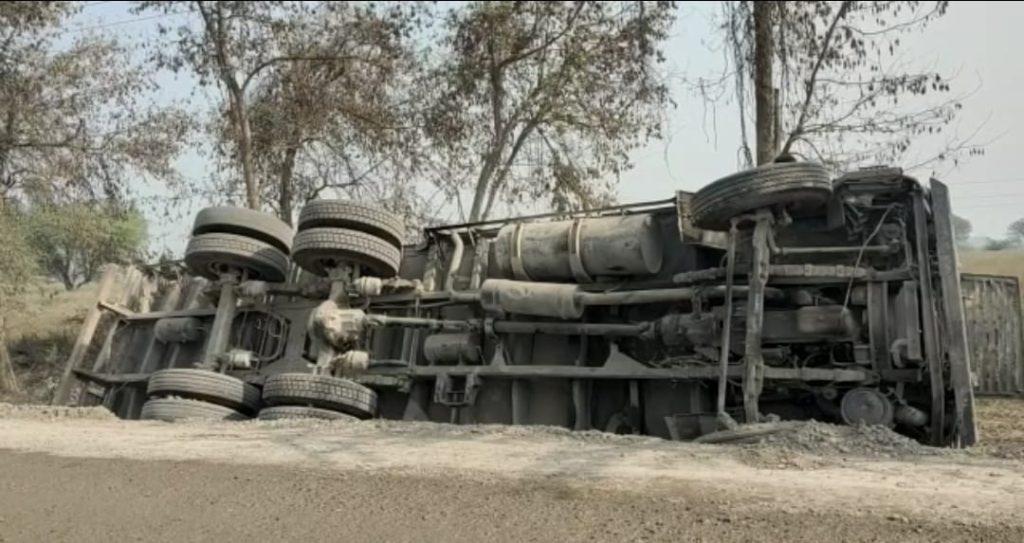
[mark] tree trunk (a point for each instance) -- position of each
(8, 381)
(482, 184)
(244, 131)
(764, 90)
(498, 137)
(286, 195)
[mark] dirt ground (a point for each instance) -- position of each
(81, 475)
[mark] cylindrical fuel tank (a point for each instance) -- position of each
(453, 348)
(178, 330)
(582, 249)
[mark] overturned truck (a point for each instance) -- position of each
(776, 292)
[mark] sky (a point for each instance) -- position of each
(978, 43)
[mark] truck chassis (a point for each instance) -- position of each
(777, 292)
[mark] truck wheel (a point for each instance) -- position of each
(207, 386)
(317, 250)
(209, 255)
(799, 187)
(323, 391)
(291, 412)
(178, 409)
(244, 222)
(362, 218)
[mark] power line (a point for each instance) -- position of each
(987, 204)
(998, 195)
(985, 181)
(123, 22)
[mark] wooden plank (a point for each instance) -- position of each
(118, 309)
(953, 311)
(992, 313)
(63, 394)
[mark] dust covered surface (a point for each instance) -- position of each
(1001, 427)
(53, 412)
(819, 438)
(406, 481)
(98, 499)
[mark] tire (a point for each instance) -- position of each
(244, 222)
(208, 254)
(799, 187)
(350, 215)
(207, 386)
(316, 250)
(321, 391)
(178, 409)
(293, 412)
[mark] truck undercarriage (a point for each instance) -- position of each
(774, 292)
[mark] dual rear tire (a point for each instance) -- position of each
(233, 239)
(185, 393)
(290, 395)
(330, 233)
(335, 232)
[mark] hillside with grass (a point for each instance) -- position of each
(42, 324)
(1008, 262)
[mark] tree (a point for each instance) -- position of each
(961, 229)
(334, 122)
(16, 269)
(999, 244)
(231, 47)
(71, 125)
(539, 100)
(1016, 230)
(764, 13)
(282, 67)
(73, 241)
(835, 86)
(71, 128)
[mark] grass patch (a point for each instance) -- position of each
(42, 324)
(994, 262)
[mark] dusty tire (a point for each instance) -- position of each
(321, 391)
(352, 216)
(207, 255)
(799, 187)
(207, 386)
(292, 412)
(177, 409)
(318, 249)
(244, 222)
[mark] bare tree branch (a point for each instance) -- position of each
(826, 47)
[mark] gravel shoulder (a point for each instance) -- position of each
(81, 474)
